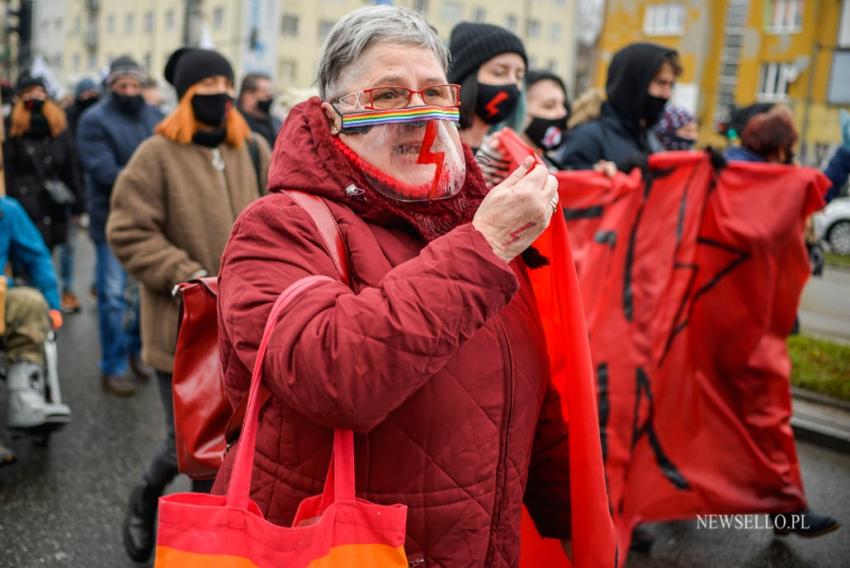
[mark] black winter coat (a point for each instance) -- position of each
(609, 137)
(25, 180)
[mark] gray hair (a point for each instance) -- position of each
(364, 27)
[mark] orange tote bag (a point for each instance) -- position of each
(331, 530)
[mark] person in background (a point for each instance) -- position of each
(86, 95)
(43, 172)
(256, 97)
(548, 112)
(151, 93)
(30, 313)
(172, 210)
(773, 136)
(107, 136)
(640, 82)
(489, 63)
(677, 129)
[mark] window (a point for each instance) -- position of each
(77, 22)
(91, 64)
(325, 27)
(149, 21)
(784, 16)
(555, 32)
(218, 18)
(76, 62)
(129, 21)
(169, 21)
(420, 6)
(289, 25)
(844, 26)
(451, 12)
(511, 22)
(664, 19)
(147, 60)
(110, 24)
(773, 81)
(479, 15)
(552, 66)
(533, 29)
(839, 79)
(286, 69)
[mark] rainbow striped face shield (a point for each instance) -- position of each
(408, 154)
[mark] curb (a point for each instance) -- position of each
(821, 420)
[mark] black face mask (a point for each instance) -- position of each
(211, 109)
(34, 105)
(546, 133)
(83, 104)
(653, 109)
(131, 104)
(265, 106)
(495, 103)
(681, 143)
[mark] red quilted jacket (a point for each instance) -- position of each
(435, 356)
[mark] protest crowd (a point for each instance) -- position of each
(450, 315)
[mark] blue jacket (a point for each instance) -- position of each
(837, 171)
(106, 138)
(21, 243)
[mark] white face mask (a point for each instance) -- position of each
(409, 154)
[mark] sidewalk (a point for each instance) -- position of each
(821, 420)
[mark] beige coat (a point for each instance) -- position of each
(170, 217)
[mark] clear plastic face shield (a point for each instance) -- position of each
(407, 153)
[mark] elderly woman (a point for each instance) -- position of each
(435, 354)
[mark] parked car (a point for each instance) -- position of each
(832, 225)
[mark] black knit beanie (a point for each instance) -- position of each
(188, 65)
(473, 44)
(26, 81)
(532, 76)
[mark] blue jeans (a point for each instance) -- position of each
(66, 260)
(118, 341)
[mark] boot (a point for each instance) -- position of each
(139, 529)
(69, 303)
(27, 405)
(119, 385)
(142, 371)
(642, 539)
(7, 456)
(805, 523)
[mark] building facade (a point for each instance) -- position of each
(737, 52)
(80, 38)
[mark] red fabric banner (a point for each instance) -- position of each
(691, 277)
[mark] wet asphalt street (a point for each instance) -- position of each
(62, 506)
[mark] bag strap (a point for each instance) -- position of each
(329, 230)
(238, 490)
(341, 471)
(331, 236)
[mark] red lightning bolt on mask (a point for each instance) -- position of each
(426, 156)
(493, 106)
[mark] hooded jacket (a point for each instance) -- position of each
(621, 133)
(435, 356)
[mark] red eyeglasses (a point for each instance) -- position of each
(387, 98)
